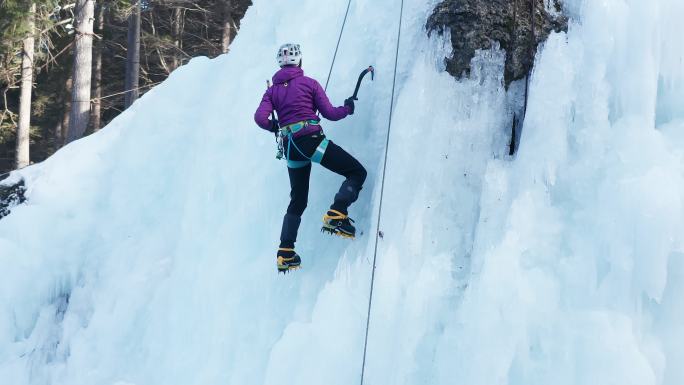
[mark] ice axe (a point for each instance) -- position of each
(273, 116)
(268, 85)
(358, 83)
(279, 139)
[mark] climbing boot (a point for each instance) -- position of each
(287, 259)
(337, 223)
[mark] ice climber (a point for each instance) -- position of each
(296, 98)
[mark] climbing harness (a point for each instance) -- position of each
(382, 191)
(287, 133)
(297, 126)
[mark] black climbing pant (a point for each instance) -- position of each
(336, 160)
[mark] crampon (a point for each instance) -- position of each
(337, 223)
(288, 260)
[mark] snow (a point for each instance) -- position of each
(145, 254)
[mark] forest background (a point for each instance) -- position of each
(68, 67)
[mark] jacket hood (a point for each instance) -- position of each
(286, 74)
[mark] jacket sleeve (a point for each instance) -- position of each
(264, 110)
(322, 104)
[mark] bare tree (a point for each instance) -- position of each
(133, 56)
(229, 26)
(24, 127)
(178, 24)
(83, 61)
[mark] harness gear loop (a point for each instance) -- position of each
(295, 127)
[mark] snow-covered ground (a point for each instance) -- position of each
(145, 254)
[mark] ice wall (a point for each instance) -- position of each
(578, 253)
(146, 252)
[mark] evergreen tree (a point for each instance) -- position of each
(21, 25)
(171, 33)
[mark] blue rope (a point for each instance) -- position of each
(382, 191)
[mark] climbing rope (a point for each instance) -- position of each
(124, 92)
(337, 47)
(382, 191)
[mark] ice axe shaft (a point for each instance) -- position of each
(273, 116)
(358, 83)
(268, 85)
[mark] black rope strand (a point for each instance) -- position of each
(382, 191)
(337, 47)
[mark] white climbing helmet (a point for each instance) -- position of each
(289, 54)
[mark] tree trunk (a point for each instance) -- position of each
(96, 112)
(23, 129)
(229, 27)
(61, 128)
(83, 69)
(177, 32)
(133, 57)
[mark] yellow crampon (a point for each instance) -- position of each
(285, 264)
(329, 227)
(338, 215)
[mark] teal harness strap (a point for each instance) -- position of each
(295, 163)
(289, 131)
(317, 156)
(298, 126)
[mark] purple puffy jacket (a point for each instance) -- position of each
(296, 98)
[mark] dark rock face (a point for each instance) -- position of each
(10, 196)
(478, 24)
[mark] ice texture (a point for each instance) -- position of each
(146, 252)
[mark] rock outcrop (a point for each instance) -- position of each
(479, 24)
(10, 196)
